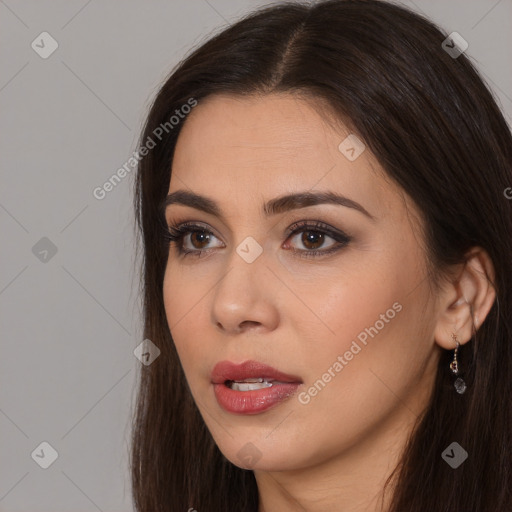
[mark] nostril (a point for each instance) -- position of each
(249, 323)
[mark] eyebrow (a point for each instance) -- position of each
(272, 207)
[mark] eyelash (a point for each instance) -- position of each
(177, 232)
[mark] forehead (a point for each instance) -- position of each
(264, 146)
(266, 129)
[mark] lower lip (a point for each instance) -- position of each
(253, 402)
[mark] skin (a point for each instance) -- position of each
(299, 314)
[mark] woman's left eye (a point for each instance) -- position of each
(317, 239)
(313, 240)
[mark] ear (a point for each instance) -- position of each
(466, 300)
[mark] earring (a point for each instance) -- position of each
(459, 384)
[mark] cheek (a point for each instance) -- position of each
(338, 303)
(368, 316)
(182, 300)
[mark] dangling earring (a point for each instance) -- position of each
(459, 384)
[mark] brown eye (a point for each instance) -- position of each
(199, 239)
(315, 239)
(312, 239)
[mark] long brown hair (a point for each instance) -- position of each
(437, 131)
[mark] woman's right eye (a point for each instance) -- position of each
(191, 238)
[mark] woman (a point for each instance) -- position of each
(327, 248)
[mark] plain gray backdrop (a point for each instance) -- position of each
(70, 312)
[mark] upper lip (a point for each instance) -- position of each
(227, 370)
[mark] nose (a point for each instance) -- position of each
(244, 298)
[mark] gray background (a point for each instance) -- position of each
(71, 320)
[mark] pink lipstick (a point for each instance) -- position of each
(251, 387)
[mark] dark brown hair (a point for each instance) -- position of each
(437, 131)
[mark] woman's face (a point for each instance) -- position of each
(332, 294)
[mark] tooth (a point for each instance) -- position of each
(250, 386)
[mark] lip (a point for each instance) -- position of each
(227, 370)
(256, 401)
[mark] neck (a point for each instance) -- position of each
(352, 481)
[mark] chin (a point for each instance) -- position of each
(259, 454)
